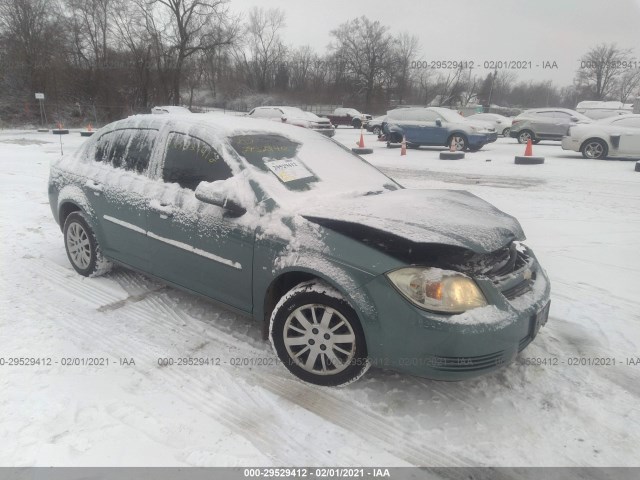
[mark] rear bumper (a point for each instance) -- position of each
(570, 143)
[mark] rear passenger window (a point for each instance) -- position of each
(190, 160)
(127, 148)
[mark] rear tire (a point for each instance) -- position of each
(595, 149)
(357, 123)
(506, 132)
(82, 247)
(318, 336)
(376, 131)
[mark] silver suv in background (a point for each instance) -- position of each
(545, 124)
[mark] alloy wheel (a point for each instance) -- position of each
(319, 339)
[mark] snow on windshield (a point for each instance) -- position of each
(450, 115)
(293, 172)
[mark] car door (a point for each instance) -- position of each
(419, 126)
(543, 124)
(117, 192)
(629, 131)
(560, 126)
(194, 244)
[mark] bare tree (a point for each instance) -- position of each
(89, 21)
(28, 31)
(189, 26)
(629, 85)
(365, 46)
(407, 47)
(600, 69)
(265, 45)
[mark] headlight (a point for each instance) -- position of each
(439, 290)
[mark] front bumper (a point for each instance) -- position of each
(408, 339)
(479, 140)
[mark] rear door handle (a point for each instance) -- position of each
(94, 186)
(165, 210)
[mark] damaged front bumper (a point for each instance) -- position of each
(409, 339)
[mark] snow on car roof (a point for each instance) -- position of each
(221, 125)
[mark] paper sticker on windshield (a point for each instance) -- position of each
(288, 170)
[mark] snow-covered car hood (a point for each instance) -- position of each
(446, 217)
(480, 124)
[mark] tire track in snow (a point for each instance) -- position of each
(330, 406)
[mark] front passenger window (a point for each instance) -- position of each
(190, 160)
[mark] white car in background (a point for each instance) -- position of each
(163, 110)
(614, 137)
(294, 116)
(500, 123)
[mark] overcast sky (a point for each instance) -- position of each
(477, 30)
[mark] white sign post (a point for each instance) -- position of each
(43, 114)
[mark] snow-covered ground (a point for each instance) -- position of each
(581, 218)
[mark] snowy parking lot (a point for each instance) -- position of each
(571, 399)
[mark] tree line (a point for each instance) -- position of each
(109, 58)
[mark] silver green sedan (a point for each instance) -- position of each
(343, 267)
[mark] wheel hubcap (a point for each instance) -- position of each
(459, 142)
(319, 339)
(524, 137)
(78, 245)
(594, 150)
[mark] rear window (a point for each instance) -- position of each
(128, 148)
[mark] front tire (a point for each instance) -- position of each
(460, 142)
(594, 149)
(377, 131)
(525, 135)
(82, 247)
(318, 336)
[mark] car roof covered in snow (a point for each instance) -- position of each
(218, 125)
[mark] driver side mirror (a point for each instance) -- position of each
(438, 122)
(218, 193)
(283, 118)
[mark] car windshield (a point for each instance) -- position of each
(581, 117)
(294, 112)
(297, 172)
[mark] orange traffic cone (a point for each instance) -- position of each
(452, 147)
(89, 128)
(361, 142)
(528, 158)
(59, 126)
(528, 152)
(403, 146)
